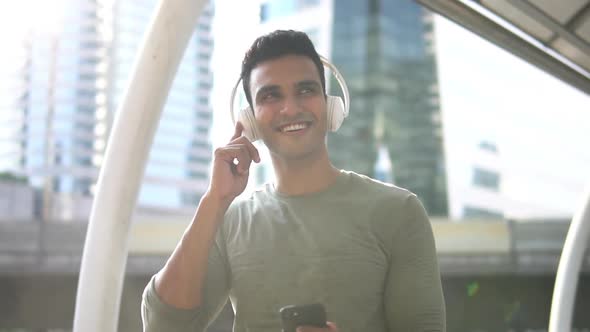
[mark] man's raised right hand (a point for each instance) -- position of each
(229, 179)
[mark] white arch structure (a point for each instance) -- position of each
(568, 271)
(106, 246)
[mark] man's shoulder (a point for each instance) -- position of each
(250, 200)
(375, 189)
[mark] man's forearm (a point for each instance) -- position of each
(180, 282)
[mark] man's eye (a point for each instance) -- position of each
(270, 96)
(306, 90)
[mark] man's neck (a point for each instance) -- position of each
(304, 176)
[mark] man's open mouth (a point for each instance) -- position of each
(294, 127)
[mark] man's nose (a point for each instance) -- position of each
(291, 106)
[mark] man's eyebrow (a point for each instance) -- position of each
(308, 83)
(265, 89)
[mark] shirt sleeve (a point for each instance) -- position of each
(157, 315)
(414, 300)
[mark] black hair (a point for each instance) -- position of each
(274, 45)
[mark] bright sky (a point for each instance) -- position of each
(539, 123)
(17, 20)
(18, 17)
(234, 30)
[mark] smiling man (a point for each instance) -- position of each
(362, 248)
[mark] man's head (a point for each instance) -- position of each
(274, 45)
(284, 82)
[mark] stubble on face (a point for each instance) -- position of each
(290, 107)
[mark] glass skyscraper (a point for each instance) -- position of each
(178, 166)
(385, 51)
(73, 81)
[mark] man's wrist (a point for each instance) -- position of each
(216, 202)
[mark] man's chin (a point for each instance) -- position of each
(295, 152)
(292, 147)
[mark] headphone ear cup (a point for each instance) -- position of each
(335, 109)
(246, 118)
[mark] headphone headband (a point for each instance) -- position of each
(326, 63)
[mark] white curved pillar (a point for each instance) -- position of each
(105, 250)
(568, 271)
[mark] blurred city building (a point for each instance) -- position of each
(385, 50)
(66, 90)
(474, 141)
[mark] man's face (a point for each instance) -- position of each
(289, 106)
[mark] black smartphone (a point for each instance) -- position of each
(293, 316)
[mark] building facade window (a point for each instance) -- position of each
(486, 179)
(488, 146)
(481, 213)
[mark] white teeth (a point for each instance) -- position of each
(293, 127)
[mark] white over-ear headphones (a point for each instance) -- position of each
(337, 110)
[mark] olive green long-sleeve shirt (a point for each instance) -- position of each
(362, 248)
